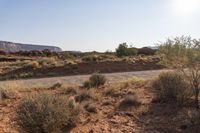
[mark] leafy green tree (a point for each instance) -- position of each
(183, 53)
(124, 50)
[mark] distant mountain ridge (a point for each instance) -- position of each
(16, 47)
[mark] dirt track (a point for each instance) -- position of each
(79, 79)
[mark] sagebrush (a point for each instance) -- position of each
(45, 113)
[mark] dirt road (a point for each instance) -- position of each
(79, 79)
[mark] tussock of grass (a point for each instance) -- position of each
(6, 94)
(90, 107)
(83, 96)
(69, 91)
(45, 113)
(56, 86)
(172, 87)
(95, 81)
(129, 102)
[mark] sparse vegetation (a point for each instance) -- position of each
(172, 87)
(114, 106)
(6, 94)
(129, 102)
(95, 80)
(90, 107)
(69, 91)
(113, 92)
(123, 50)
(183, 53)
(45, 113)
(56, 86)
(83, 96)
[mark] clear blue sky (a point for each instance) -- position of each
(97, 24)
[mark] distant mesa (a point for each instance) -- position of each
(16, 47)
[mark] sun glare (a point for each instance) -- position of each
(186, 7)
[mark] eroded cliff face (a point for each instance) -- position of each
(15, 47)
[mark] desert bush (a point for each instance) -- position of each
(113, 92)
(69, 90)
(146, 51)
(95, 80)
(55, 86)
(87, 84)
(91, 58)
(180, 53)
(83, 96)
(132, 51)
(6, 94)
(46, 113)
(90, 107)
(124, 50)
(129, 102)
(172, 87)
(49, 62)
(98, 57)
(32, 64)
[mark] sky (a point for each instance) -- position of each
(97, 25)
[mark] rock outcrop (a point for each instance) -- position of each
(16, 47)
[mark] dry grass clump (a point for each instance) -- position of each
(131, 81)
(87, 84)
(88, 95)
(129, 102)
(50, 62)
(113, 92)
(172, 87)
(6, 94)
(33, 64)
(84, 95)
(95, 81)
(56, 86)
(45, 113)
(90, 107)
(136, 80)
(98, 58)
(10, 90)
(69, 91)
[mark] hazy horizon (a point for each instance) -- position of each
(98, 25)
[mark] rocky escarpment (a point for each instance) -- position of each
(15, 47)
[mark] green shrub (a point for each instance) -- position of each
(129, 102)
(172, 87)
(95, 80)
(46, 113)
(124, 50)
